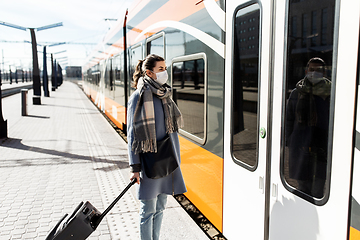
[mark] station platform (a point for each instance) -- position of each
(6, 84)
(64, 152)
(8, 89)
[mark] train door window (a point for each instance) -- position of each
(136, 55)
(96, 74)
(245, 86)
(106, 68)
(116, 70)
(111, 74)
(307, 105)
(122, 68)
(189, 74)
(156, 45)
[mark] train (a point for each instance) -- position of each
(265, 153)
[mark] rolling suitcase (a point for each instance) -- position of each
(83, 221)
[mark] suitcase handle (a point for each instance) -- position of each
(97, 221)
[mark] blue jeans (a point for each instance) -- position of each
(151, 214)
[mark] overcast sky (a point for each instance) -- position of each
(83, 22)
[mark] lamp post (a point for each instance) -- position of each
(45, 76)
(54, 84)
(53, 87)
(36, 71)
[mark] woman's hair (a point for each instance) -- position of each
(147, 64)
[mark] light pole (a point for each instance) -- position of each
(54, 84)
(45, 73)
(45, 76)
(36, 71)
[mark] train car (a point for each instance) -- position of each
(269, 150)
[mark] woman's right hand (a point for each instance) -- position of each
(135, 175)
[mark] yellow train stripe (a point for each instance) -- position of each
(119, 119)
(354, 234)
(203, 174)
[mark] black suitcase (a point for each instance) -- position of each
(83, 221)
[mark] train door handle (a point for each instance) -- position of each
(261, 185)
(262, 132)
(274, 191)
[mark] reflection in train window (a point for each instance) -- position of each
(156, 45)
(306, 140)
(188, 81)
(245, 86)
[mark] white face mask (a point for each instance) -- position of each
(315, 77)
(161, 77)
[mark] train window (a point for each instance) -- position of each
(307, 120)
(108, 72)
(136, 55)
(122, 68)
(119, 77)
(96, 75)
(245, 95)
(156, 45)
(189, 88)
(116, 69)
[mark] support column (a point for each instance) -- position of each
(36, 71)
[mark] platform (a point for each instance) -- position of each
(65, 152)
(8, 89)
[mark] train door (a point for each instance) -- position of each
(287, 165)
(354, 228)
(248, 33)
(312, 114)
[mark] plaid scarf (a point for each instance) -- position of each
(144, 115)
(306, 112)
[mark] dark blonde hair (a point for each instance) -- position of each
(147, 64)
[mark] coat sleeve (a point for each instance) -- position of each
(134, 159)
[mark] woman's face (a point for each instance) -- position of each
(159, 67)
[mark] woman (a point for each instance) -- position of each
(151, 101)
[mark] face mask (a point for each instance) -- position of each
(315, 77)
(161, 77)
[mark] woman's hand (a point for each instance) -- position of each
(135, 175)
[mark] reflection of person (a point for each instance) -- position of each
(151, 116)
(307, 125)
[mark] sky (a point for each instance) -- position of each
(84, 26)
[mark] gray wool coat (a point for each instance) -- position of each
(151, 188)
